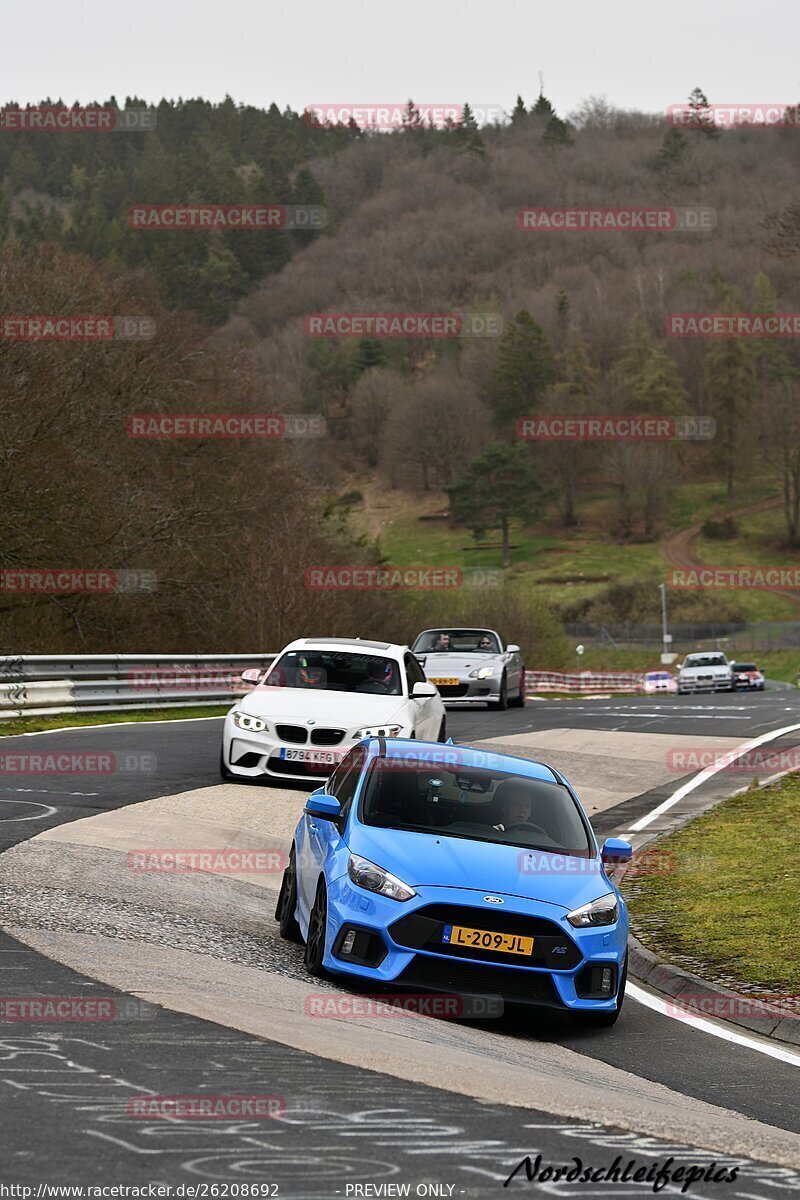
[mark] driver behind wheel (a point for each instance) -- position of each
(515, 805)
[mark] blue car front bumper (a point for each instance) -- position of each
(403, 944)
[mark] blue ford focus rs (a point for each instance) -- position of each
(446, 869)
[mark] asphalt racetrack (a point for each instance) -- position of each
(208, 1000)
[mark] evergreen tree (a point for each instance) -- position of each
(672, 151)
(369, 352)
(558, 133)
(572, 394)
(700, 114)
(543, 107)
(519, 112)
(412, 118)
(522, 371)
(500, 486)
(730, 385)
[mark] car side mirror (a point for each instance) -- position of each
(322, 806)
(420, 690)
(512, 649)
(615, 851)
(252, 675)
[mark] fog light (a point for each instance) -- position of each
(605, 980)
(347, 944)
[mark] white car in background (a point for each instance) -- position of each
(472, 666)
(659, 681)
(320, 697)
(705, 671)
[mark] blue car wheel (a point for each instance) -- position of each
(317, 933)
(287, 903)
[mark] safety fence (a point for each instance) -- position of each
(38, 685)
(584, 681)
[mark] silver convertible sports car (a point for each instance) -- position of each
(472, 666)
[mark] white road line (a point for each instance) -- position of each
(707, 773)
(117, 725)
(707, 1026)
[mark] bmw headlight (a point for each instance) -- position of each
(252, 724)
(482, 673)
(378, 731)
(603, 911)
(376, 879)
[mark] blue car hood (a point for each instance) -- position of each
(433, 860)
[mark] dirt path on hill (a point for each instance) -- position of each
(679, 551)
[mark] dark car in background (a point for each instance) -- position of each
(747, 677)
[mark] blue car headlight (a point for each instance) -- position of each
(482, 673)
(375, 879)
(603, 911)
(251, 724)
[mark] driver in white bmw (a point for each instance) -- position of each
(318, 699)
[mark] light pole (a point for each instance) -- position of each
(578, 652)
(665, 637)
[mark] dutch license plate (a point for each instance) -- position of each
(324, 757)
(445, 682)
(486, 939)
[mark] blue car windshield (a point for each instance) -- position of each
(476, 804)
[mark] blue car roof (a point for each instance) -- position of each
(466, 756)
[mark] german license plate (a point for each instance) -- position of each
(324, 757)
(445, 682)
(487, 939)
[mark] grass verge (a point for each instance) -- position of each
(730, 908)
(70, 720)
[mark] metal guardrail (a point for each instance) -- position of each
(39, 685)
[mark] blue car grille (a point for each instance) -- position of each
(460, 978)
(422, 930)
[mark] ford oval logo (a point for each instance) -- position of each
(494, 899)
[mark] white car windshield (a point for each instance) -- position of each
(457, 641)
(706, 660)
(336, 671)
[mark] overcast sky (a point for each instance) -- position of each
(638, 54)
